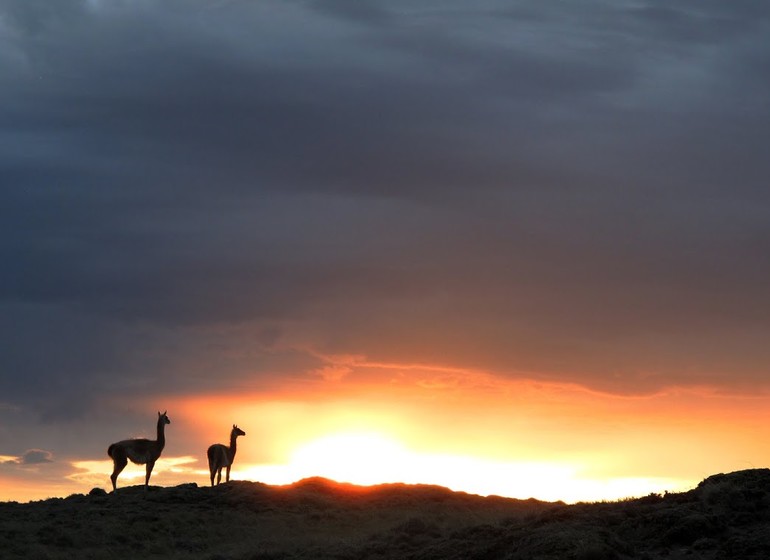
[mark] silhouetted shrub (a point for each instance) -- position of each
(727, 516)
(651, 498)
(691, 528)
(596, 552)
(417, 527)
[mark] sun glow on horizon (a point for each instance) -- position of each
(370, 458)
(366, 459)
(514, 439)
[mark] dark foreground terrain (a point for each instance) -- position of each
(726, 516)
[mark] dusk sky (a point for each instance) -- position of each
(509, 247)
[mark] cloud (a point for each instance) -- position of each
(36, 457)
(29, 457)
(215, 193)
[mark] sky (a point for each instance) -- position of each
(516, 248)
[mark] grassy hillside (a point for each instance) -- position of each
(726, 516)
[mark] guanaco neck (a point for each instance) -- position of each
(233, 439)
(161, 433)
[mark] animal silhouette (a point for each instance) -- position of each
(140, 451)
(222, 456)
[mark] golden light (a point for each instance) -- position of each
(167, 471)
(476, 433)
(360, 458)
(373, 458)
(22, 490)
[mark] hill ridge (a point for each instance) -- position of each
(727, 515)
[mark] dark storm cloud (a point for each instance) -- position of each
(570, 191)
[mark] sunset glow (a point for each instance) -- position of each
(507, 248)
(368, 459)
(484, 436)
(170, 469)
(468, 431)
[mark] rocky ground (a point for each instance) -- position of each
(726, 516)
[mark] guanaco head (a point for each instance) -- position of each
(237, 431)
(164, 417)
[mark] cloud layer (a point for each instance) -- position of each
(201, 194)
